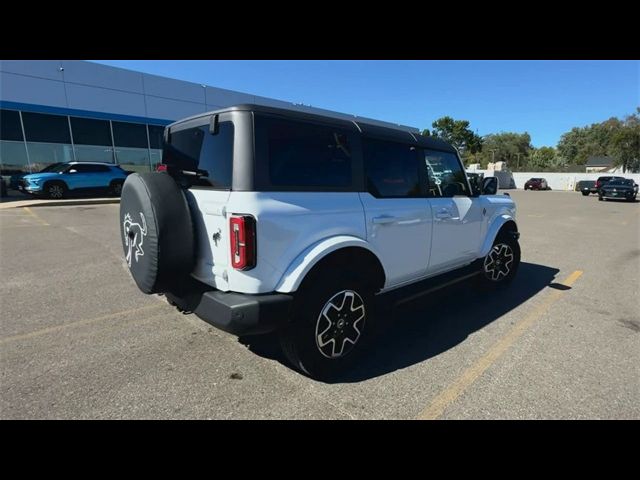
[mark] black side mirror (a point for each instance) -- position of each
(489, 186)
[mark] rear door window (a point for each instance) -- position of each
(305, 155)
(198, 151)
(392, 169)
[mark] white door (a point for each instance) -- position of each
(400, 231)
(457, 216)
(457, 225)
(397, 212)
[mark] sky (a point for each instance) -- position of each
(544, 98)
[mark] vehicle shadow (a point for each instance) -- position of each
(429, 326)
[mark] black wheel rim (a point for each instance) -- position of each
(55, 191)
(499, 262)
(340, 324)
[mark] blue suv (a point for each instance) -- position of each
(63, 178)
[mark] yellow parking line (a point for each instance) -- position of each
(451, 393)
(36, 216)
(78, 323)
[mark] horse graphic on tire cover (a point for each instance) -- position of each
(134, 234)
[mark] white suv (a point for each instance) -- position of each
(272, 219)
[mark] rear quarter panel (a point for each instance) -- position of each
(287, 224)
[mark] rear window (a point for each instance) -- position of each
(306, 155)
(197, 150)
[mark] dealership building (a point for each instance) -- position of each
(60, 110)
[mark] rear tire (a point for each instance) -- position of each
(333, 321)
(55, 190)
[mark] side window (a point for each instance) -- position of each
(197, 150)
(391, 169)
(79, 168)
(306, 155)
(445, 175)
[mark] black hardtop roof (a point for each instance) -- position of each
(392, 132)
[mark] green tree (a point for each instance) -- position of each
(457, 133)
(624, 145)
(580, 143)
(511, 147)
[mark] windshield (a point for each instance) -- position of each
(621, 182)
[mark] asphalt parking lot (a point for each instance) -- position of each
(78, 340)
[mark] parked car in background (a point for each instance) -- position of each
(586, 187)
(86, 177)
(602, 181)
(536, 184)
(619, 189)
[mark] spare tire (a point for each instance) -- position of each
(157, 231)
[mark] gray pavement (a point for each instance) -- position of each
(78, 340)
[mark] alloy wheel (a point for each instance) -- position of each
(498, 262)
(340, 324)
(56, 191)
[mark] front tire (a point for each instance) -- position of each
(501, 264)
(333, 321)
(585, 194)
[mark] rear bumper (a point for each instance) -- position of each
(618, 195)
(237, 313)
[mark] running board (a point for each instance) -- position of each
(430, 285)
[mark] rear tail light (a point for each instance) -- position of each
(243, 241)
(161, 167)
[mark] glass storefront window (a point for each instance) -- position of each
(42, 154)
(93, 153)
(129, 135)
(13, 158)
(92, 140)
(133, 159)
(156, 158)
(44, 128)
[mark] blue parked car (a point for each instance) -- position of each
(63, 178)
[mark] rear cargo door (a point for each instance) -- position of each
(203, 160)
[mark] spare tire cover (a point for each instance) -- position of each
(157, 231)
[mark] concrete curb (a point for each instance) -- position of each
(58, 203)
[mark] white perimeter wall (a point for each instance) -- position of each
(557, 181)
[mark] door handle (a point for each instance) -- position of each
(384, 219)
(443, 214)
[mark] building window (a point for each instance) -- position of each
(131, 146)
(48, 139)
(130, 135)
(10, 128)
(92, 140)
(13, 155)
(156, 134)
(41, 127)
